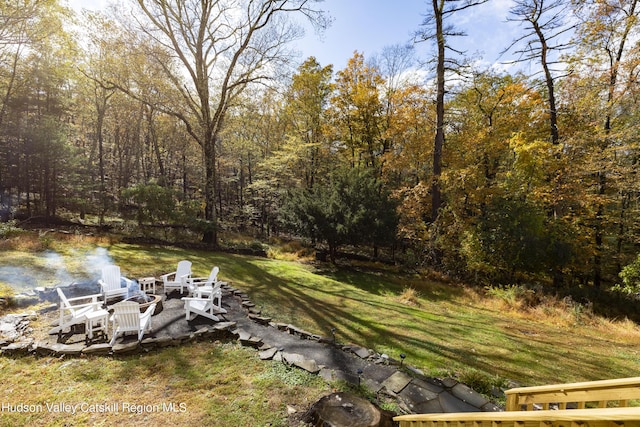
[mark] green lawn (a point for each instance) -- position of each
(448, 330)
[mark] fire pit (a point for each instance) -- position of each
(146, 300)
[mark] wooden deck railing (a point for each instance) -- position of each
(597, 404)
(595, 394)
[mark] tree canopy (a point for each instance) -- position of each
(198, 115)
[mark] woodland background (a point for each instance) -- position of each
(195, 115)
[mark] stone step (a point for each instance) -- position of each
(259, 319)
(268, 353)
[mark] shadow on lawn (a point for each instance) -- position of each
(381, 284)
(343, 301)
(357, 305)
(361, 308)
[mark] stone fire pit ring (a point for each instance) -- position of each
(145, 300)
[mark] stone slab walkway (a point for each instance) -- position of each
(415, 392)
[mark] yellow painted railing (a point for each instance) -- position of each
(598, 404)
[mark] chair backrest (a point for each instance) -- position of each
(213, 276)
(127, 315)
(64, 302)
(111, 277)
(211, 284)
(184, 268)
(79, 308)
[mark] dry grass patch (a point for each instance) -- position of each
(290, 250)
(536, 306)
(28, 242)
(409, 296)
(33, 242)
(62, 240)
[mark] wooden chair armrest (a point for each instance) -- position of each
(148, 312)
(93, 297)
(621, 389)
(166, 276)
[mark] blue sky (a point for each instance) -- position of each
(369, 25)
(363, 25)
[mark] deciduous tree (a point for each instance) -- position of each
(611, 61)
(437, 28)
(547, 35)
(357, 111)
(221, 47)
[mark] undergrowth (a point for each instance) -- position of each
(533, 302)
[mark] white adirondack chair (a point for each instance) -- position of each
(195, 283)
(72, 312)
(127, 318)
(201, 304)
(177, 279)
(202, 286)
(111, 283)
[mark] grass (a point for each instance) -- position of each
(449, 327)
(198, 384)
(442, 328)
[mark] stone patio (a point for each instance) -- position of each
(414, 392)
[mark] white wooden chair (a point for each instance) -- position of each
(72, 312)
(177, 279)
(201, 304)
(195, 283)
(127, 318)
(111, 283)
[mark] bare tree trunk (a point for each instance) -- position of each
(156, 148)
(436, 196)
(210, 234)
(548, 77)
(3, 111)
(103, 189)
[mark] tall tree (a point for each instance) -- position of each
(222, 46)
(41, 106)
(103, 41)
(253, 136)
(358, 112)
(403, 87)
(547, 34)
(498, 161)
(29, 30)
(437, 28)
(307, 101)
